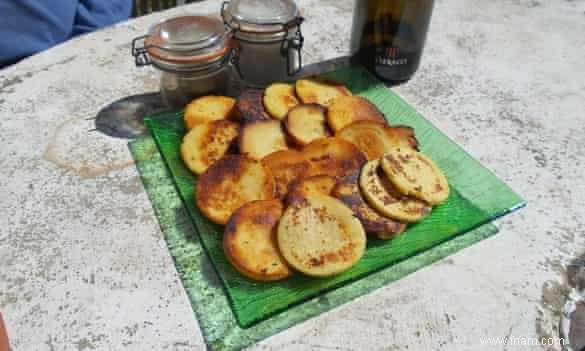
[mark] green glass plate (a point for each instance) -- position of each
(477, 197)
(205, 290)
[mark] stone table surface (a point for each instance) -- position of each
(83, 264)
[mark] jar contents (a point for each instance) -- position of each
(178, 89)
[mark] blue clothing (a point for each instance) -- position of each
(30, 26)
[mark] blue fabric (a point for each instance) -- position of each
(30, 26)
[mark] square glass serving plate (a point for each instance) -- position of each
(206, 293)
(477, 197)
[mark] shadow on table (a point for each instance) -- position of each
(124, 118)
(331, 65)
(324, 67)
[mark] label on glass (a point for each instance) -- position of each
(390, 56)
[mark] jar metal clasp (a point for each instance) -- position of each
(139, 52)
(293, 44)
(232, 24)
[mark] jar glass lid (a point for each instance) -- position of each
(188, 40)
(187, 33)
(263, 16)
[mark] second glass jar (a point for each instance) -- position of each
(269, 37)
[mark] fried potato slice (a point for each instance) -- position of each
(348, 109)
(320, 91)
(249, 241)
(259, 139)
(208, 108)
(206, 143)
(250, 107)
(230, 183)
(347, 190)
(279, 98)
(416, 175)
(333, 156)
(286, 166)
(307, 122)
(375, 139)
(307, 187)
(406, 133)
(320, 236)
(386, 199)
